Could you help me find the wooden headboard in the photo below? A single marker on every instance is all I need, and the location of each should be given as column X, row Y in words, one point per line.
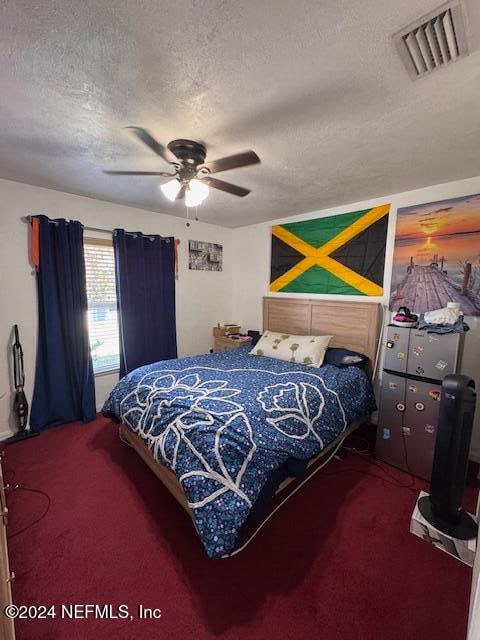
column 354, row 325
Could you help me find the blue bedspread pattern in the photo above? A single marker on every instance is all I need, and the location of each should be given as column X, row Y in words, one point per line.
column 223, row 422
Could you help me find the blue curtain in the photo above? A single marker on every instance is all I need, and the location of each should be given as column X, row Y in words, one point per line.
column 145, row 278
column 64, row 382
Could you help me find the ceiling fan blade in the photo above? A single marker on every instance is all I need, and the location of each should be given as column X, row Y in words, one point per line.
column 138, row 173
column 226, row 186
column 232, row 162
column 156, row 147
column 182, row 192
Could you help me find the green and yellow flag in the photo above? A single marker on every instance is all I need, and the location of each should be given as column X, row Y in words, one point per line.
column 342, row 254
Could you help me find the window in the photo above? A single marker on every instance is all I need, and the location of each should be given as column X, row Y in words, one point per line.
column 102, row 304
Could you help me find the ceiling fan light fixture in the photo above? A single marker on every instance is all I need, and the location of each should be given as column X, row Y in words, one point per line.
column 196, row 193
column 187, row 160
column 170, row 189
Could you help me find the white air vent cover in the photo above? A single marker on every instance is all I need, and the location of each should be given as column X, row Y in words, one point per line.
column 434, row 41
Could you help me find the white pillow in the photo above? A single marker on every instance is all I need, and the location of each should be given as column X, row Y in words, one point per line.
column 308, row 350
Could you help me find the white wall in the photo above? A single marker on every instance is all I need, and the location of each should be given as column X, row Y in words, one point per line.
column 474, row 613
column 251, row 269
column 203, row 297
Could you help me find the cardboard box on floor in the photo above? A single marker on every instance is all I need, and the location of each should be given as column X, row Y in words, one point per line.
column 463, row 550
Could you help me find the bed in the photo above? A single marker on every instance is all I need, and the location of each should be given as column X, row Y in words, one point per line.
column 215, row 428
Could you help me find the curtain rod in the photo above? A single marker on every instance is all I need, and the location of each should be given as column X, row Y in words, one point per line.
column 97, row 229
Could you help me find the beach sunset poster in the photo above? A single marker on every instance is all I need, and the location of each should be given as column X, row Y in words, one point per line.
column 437, row 256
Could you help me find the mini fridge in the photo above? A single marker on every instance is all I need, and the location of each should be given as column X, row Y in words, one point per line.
column 415, row 364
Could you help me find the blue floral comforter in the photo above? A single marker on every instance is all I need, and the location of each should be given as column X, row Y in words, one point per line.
column 223, row 422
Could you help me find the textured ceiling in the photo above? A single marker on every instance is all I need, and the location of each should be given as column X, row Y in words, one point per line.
column 315, row 87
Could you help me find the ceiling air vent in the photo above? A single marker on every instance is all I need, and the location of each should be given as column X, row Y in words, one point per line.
column 434, row 41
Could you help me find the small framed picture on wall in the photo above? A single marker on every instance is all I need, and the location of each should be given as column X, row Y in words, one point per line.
column 205, row 256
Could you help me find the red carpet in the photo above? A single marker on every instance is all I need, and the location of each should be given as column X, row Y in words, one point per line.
column 336, row 563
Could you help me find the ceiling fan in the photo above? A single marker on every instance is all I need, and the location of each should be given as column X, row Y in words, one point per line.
column 191, row 177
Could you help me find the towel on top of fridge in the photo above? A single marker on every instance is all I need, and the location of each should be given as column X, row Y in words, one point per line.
column 449, row 319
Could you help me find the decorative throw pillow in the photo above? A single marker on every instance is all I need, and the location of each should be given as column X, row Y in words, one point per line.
column 309, row 350
column 345, row 358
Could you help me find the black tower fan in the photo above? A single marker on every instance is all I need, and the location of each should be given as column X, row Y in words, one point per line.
column 443, row 507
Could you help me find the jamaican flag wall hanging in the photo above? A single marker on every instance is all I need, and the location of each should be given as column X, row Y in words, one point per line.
column 342, row 254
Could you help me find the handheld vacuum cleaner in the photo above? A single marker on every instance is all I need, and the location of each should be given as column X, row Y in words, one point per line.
column 20, row 404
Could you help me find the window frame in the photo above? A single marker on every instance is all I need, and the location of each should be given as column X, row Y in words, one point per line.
column 105, row 242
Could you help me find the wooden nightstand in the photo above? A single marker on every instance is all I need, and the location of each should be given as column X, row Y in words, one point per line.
column 225, row 343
